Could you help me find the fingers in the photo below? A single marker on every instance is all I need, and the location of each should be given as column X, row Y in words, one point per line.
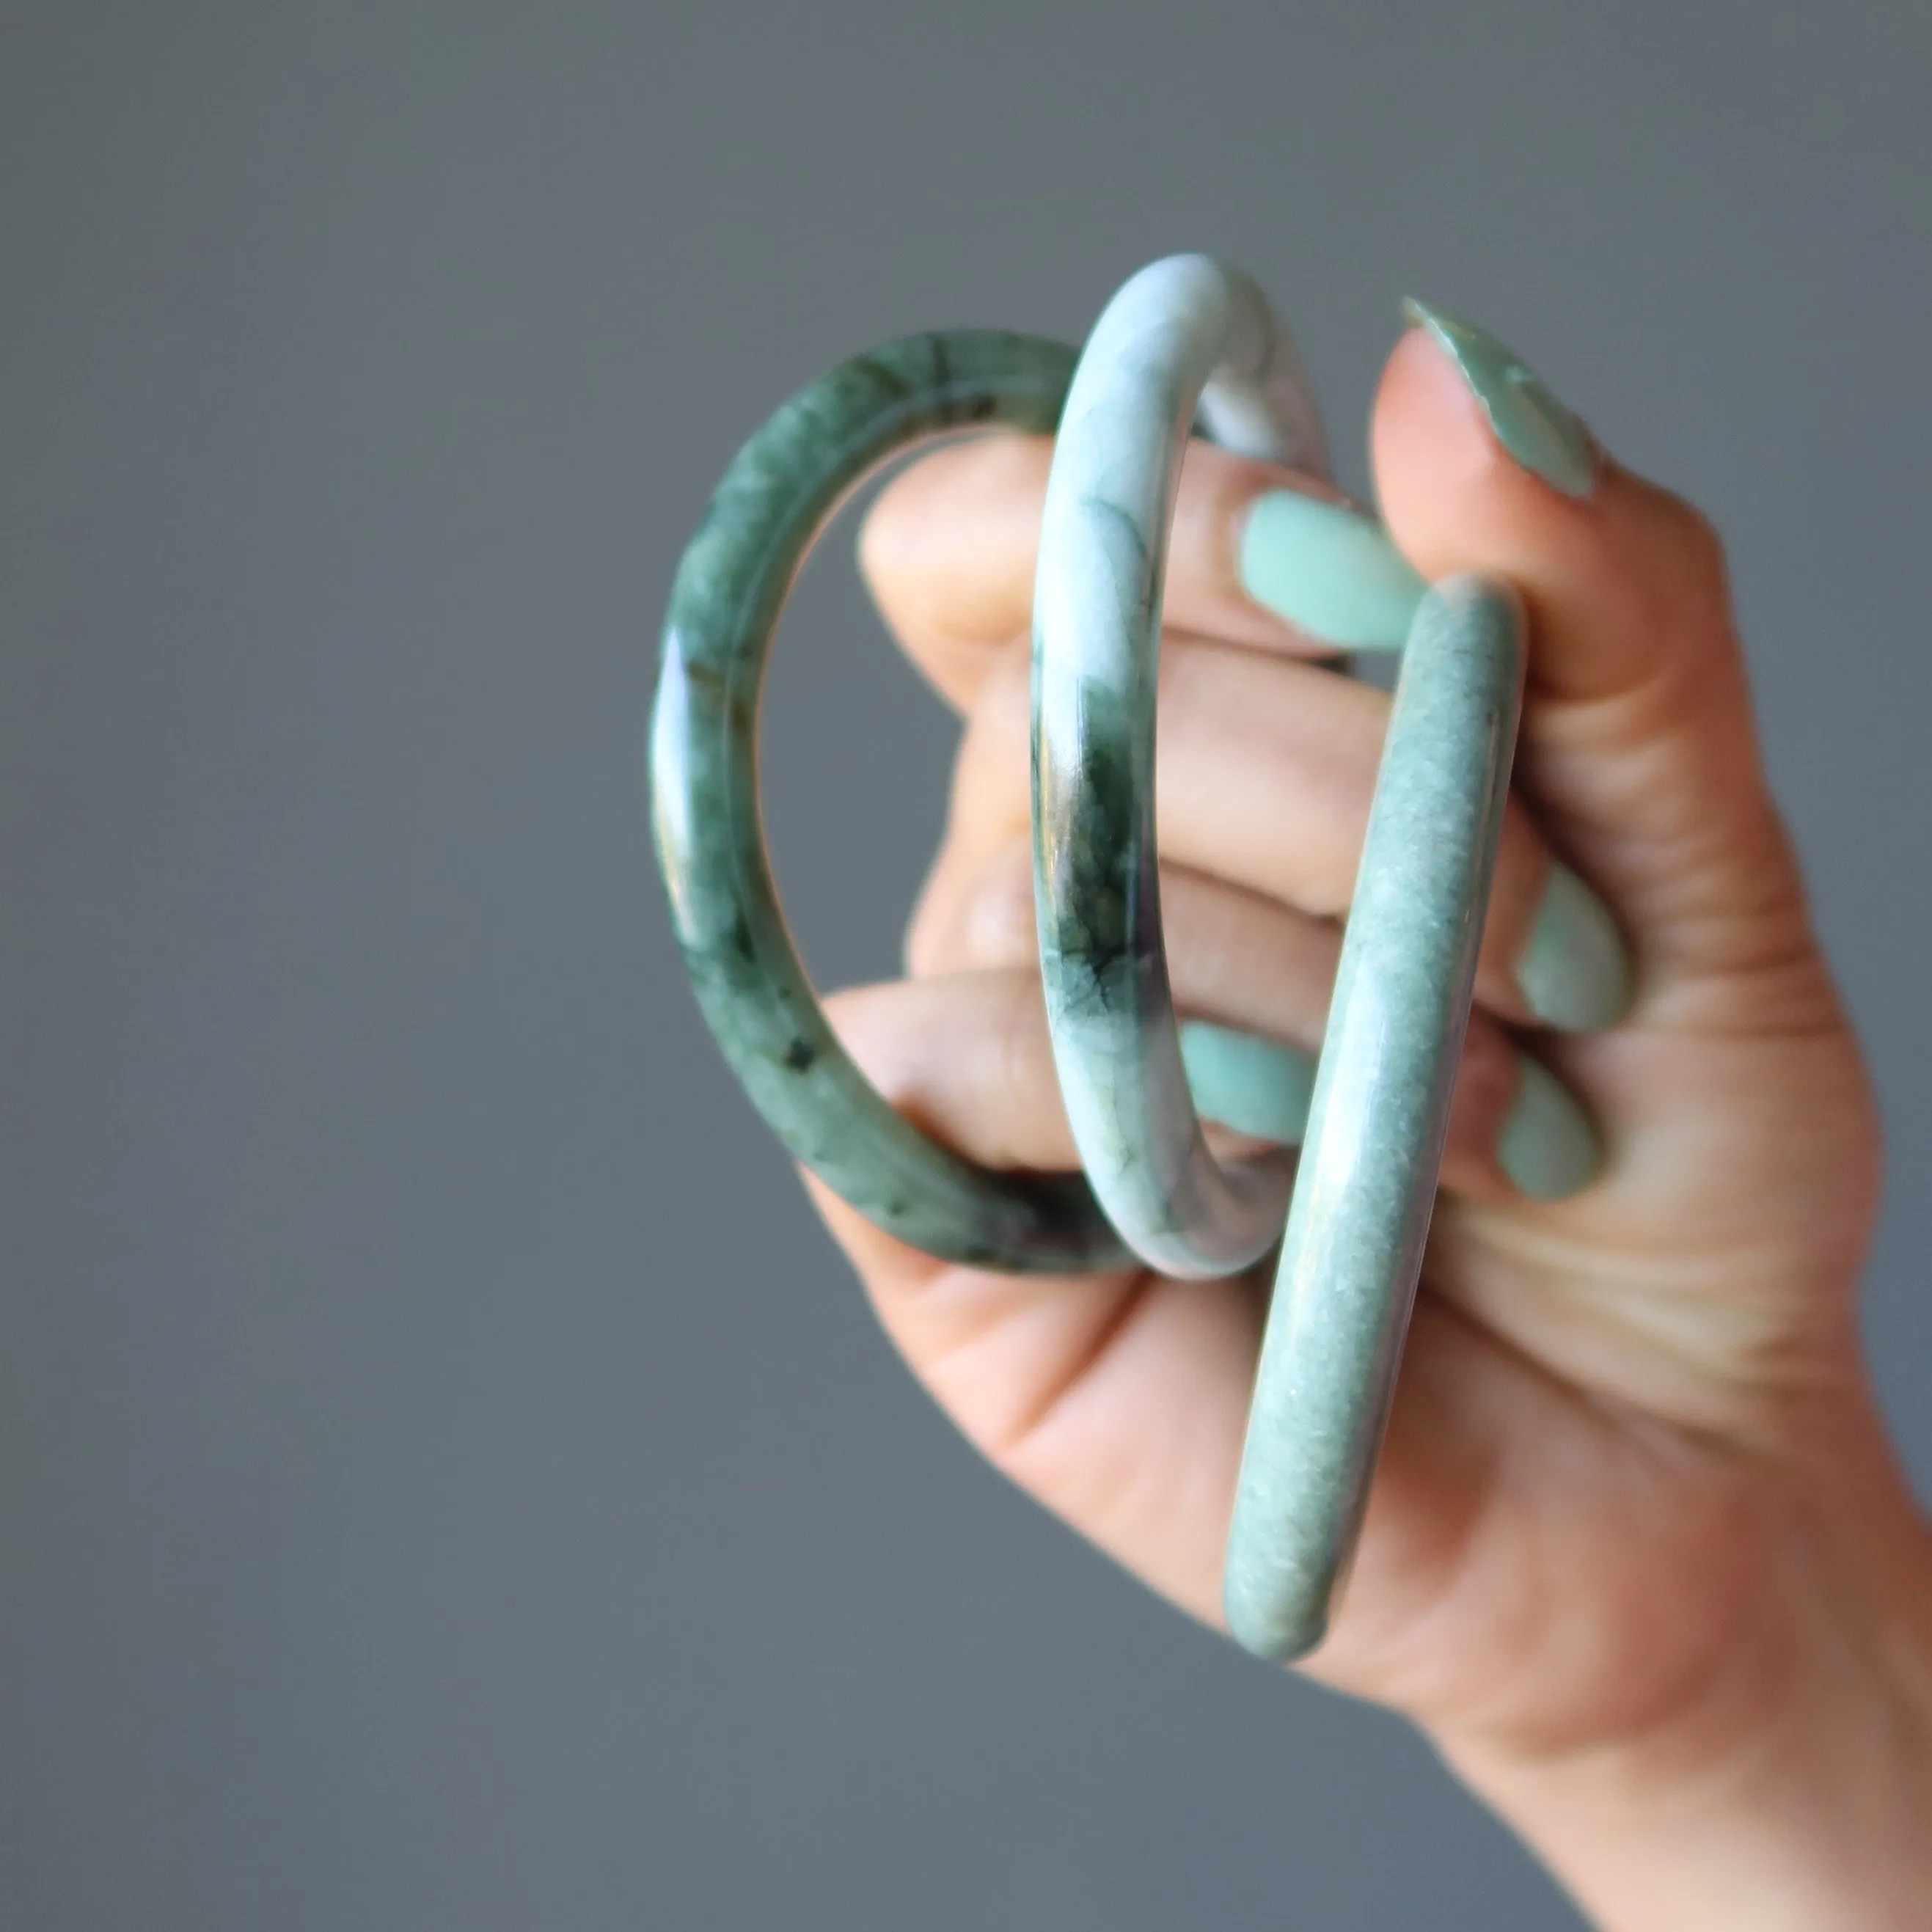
column 949, row 549
column 966, row 1051
column 1242, row 959
column 1253, row 977
column 1638, row 745
column 1119, row 1401
column 1637, row 741
column 1265, row 772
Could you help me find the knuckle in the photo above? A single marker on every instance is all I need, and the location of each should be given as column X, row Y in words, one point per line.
column 926, row 927
column 900, row 549
column 988, row 923
column 1000, row 924
column 1693, row 582
column 915, row 546
column 1486, row 1084
column 884, row 547
column 862, row 1022
column 1702, row 547
column 992, row 761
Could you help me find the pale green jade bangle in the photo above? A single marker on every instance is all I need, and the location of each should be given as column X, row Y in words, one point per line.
column 1352, row 1253
column 1366, row 1184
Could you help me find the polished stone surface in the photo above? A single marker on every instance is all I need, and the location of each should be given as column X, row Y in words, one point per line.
column 779, row 492
column 1352, row 1251
column 1183, row 337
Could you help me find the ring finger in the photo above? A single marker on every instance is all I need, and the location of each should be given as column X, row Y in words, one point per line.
column 1252, row 978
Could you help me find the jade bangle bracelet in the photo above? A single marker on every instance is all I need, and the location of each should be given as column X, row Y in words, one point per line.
column 1185, row 346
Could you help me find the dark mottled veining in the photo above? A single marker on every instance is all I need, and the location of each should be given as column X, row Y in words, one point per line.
column 783, row 486
column 1183, row 331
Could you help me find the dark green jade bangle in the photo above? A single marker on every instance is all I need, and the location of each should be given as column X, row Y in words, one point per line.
column 781, row 490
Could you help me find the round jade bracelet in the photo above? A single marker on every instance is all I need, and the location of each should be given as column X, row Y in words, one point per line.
column 1186, row 343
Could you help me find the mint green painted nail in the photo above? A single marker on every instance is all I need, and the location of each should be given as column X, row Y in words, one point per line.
column 1529, row 422
column 1548, row 1147
column 1331, row 571
column 1256, row 1086
column 1574, row 971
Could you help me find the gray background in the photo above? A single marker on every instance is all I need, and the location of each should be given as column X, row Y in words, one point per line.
column 446, row 1481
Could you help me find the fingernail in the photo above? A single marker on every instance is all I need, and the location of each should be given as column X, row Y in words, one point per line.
column 1529, row 422
column 1331, row 571
column 1574, row 972
column 1257, row 1087
column 1548, row 1147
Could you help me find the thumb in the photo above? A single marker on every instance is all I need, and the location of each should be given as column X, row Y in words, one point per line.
column 1638, row 750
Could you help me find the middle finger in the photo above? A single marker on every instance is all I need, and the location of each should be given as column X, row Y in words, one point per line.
column 1265, row 770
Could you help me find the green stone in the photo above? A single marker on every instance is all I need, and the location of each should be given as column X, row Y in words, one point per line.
column 783, row 487
column 1352, row 1250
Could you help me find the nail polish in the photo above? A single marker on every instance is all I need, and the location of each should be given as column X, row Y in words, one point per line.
column 1574, row 970
column 1539, row 431
column 1257, row 1087
column 1548, row 1147
column 1330, row 571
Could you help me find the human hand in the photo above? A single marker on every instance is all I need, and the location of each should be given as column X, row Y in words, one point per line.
column 1637, row 1557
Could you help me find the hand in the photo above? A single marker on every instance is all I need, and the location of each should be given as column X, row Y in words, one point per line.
column 1638, row 1557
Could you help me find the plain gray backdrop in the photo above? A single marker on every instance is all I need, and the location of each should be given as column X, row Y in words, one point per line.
column 446, row 1479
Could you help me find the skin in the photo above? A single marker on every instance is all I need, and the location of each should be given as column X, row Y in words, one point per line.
column 1638, row 1558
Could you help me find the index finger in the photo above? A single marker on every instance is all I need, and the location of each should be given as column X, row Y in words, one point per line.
column 950, row 548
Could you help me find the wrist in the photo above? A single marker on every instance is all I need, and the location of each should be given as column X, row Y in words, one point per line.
column 1789, row 1791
